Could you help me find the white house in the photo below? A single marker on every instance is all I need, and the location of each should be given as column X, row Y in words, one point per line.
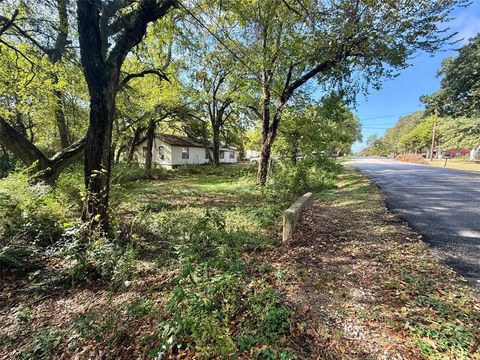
column 227, row 155
column 171, row 150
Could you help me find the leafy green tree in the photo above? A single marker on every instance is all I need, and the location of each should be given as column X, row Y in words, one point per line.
column 419, row 137
column 403, row 126
column 460, row 132
column 376, row 146
column 37, row 86
column 309, row 128
column 459, row 95
column 216, row 86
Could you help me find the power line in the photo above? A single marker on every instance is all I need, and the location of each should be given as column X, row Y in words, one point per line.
column 387, row 116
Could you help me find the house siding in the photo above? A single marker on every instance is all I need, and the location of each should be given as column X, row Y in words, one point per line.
column 226, row 159
column 196, row 156
column 156, row 160
column 173, row 155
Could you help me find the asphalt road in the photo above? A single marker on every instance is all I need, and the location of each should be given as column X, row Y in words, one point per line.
column 443, row 205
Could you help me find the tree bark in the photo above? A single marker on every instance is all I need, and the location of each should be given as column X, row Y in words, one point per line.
column 216, row 146
column 149, row 154
column 119, row 153
column 136, row 140
column 102, row 70
column 97, row 166
column 265, row 152
column 60, row 119
column 294, row 153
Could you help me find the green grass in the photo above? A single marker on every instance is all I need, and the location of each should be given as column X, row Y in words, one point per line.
column 456, row 163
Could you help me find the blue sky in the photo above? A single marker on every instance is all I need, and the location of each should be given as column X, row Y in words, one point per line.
column 381, row 109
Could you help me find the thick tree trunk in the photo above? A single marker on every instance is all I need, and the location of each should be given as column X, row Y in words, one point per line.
column 149, row 154
column 61, row 121
column 216, row 146
column 98, row 156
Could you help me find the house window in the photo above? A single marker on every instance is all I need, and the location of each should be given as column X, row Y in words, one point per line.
column 185, row 154
column 207, row 155
column 232, row 154
column 222, row 154
column 161, row 152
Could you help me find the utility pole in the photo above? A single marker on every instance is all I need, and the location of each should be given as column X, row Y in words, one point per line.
column 433, row 135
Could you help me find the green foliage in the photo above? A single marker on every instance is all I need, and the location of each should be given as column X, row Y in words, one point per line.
column 420, row 137
column 212, row 290
column 308, row 128
column 100, row 257
column 289, row 180
column 45, row 340
column 460, row 90
column 460, row 132
column 31, row 213
column 124, row 173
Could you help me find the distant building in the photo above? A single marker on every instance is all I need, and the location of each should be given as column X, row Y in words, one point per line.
column 249, row 154
column 170, row 151
column 464, row 152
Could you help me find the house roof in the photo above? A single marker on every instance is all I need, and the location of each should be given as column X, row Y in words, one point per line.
column 178, row 140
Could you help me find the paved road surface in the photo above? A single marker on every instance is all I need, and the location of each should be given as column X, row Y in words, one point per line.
column 441, row 204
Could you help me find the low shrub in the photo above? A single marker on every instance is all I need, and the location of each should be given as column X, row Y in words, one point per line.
column 288, row 180
column 213, row 294
column 19, row 258
column 98, row 257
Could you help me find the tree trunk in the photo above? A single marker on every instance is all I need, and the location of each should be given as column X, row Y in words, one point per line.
column 60, row 114
column 294, row 153
column 61, row 121
column 119, row 153
column 216, row 146
column 149, row 154
column 42, row 168
column 98, row 156
column 269, row 134
column 265, row 153
column 135, row 142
